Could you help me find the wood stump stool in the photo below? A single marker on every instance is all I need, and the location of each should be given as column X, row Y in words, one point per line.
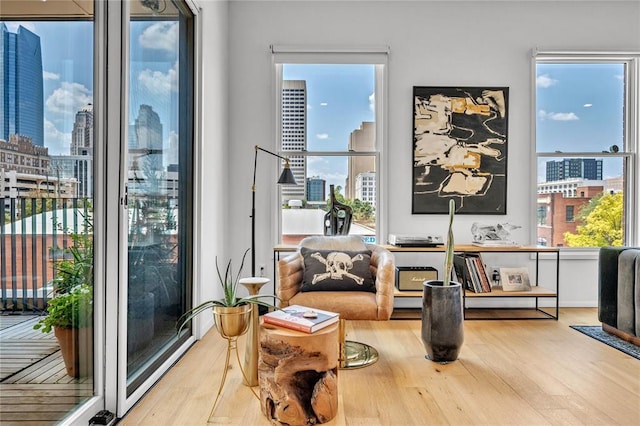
column 298, row 375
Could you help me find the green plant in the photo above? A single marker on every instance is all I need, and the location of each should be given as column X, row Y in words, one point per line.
column 229, row 285
column 448, row 258
column 73, row 309
column 71, row 304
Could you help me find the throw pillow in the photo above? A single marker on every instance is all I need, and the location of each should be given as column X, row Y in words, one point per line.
column 336, row 270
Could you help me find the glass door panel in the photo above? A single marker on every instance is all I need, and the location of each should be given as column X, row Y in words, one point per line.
column 158, row 180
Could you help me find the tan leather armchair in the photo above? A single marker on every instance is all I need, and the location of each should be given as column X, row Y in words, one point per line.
column 351, row 305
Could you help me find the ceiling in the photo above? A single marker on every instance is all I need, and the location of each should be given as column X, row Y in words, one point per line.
column 78, row 9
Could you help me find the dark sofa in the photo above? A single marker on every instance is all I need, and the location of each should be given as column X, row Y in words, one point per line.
column 619, row 291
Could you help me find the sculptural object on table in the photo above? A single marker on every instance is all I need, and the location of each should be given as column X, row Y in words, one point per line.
column 492, row 233
column 337, row 221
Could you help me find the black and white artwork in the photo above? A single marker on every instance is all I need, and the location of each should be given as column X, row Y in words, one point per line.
column 460, row 149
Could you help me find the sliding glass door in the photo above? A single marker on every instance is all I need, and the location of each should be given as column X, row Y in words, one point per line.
column 158, row 183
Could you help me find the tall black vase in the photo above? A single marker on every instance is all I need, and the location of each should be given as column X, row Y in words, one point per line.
column 442, row 320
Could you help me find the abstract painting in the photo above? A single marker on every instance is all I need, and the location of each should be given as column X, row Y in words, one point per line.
column 460, row 149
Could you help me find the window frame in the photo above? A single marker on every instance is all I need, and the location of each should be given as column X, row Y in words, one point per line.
column 628, row 153
column 373, row 55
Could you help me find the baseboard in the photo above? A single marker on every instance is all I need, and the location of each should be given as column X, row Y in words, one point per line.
column 621, row 334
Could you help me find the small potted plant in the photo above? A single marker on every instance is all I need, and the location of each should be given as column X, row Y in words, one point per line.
column 442, row 316
column 70, row 310
column 231, row 314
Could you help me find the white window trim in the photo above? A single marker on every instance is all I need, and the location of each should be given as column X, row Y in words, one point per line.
column 375, row 55
column 631, row 137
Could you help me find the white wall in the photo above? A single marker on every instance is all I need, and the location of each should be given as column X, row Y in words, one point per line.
column 213, row 191
column 452, row 43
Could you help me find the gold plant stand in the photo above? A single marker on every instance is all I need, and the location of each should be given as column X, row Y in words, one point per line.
column 231, row 323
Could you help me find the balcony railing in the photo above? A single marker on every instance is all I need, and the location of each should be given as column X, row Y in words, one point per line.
column 34, row 236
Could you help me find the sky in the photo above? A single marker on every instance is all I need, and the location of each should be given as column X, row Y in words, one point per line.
column 339, row 99
column 67, row 60
column 579, row 107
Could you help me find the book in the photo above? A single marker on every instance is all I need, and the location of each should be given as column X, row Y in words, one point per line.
column 515, row 279
column 293, row 317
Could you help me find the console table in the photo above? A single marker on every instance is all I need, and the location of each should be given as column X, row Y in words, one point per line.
column 537, row 292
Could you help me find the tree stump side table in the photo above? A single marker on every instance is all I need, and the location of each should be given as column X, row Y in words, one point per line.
column 298, row 375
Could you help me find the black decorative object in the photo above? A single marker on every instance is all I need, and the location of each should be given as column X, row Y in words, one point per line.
column 337, row 221
column 460, row 149
column 442, row 321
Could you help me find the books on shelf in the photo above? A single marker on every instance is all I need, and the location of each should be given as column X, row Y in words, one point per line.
column 470, row 272
column 301, row 318
column 515, row 279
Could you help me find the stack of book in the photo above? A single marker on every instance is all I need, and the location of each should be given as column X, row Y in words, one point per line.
column 470, row 272
column 301, row 318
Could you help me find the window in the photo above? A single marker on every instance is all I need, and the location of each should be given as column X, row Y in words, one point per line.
column 569, row 214
column 587, row 144
column 330, row 127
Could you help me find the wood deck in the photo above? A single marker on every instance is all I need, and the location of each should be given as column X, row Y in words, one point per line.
column 34, row 386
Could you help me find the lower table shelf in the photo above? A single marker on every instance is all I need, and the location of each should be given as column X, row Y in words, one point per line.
column 503, row 313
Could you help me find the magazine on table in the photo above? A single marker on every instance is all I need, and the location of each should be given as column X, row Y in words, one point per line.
column 301, row 318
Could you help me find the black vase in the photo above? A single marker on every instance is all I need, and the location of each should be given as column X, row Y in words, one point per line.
column 442, row 320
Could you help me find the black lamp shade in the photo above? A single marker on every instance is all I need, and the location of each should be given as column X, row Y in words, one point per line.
column 286, row 178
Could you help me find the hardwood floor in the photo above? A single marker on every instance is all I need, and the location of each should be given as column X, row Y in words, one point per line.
column 509, row 372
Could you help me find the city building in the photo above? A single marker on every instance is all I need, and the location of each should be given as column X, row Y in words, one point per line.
column 82, row 134
column 568, row 187
column 362, row 139
column 585, row 168
column 14, row 184
column 21, row 155
column 76, row 167
column 294, row 134
column 557, row 211
column 366, row 187
column 316, row 190
column 145, row 140
column 21, row 88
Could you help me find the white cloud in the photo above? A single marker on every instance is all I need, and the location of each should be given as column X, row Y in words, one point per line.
column 322, row 136
column 69, row 98
column 160, row 36
column 58, row 142
column 50, row 75
column 557, row 116
column 372, row 102
column 587, row 105
column 158, row 82
column 545, row 81
column 324, row 103
column 619, row 77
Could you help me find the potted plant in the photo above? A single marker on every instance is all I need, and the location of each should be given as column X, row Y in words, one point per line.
column 70, row 310
column 442, row 316
column 231, row 314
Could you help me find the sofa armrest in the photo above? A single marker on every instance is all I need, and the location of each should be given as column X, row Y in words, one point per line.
column 290, row 270
column 383, row 267
column 608, row 285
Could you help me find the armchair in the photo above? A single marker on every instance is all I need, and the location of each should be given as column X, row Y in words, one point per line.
column 351, row 305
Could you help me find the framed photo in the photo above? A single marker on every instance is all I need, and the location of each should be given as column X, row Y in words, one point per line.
column 515, row 279
column 460, row 149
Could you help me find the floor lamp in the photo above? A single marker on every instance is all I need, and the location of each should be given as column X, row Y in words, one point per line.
column 286, row 178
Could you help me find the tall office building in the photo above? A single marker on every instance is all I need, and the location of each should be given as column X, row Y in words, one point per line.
column 79, row 168
column 294, row 134
column 362, row 139
column 82, row 134
column 584, row 168
column 145, row 139
column 366, row 187
column 316, row 191
column 21, row 85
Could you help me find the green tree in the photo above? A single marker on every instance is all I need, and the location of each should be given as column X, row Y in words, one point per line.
column 601, row 223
